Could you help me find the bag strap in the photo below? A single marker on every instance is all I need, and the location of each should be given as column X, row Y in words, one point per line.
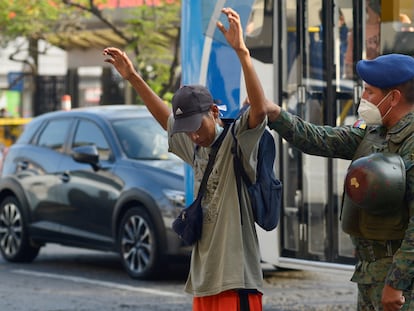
column 239, row 171
column 244, row 301
column 239, row 168
column 244, row 298
column 211, row 159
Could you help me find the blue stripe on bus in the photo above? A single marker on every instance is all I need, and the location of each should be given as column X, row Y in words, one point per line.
column 223, row 70
column 223, row 78
column 192, row 42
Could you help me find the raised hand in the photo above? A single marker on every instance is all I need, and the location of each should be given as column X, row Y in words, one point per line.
column 126, row 69
column 120, row 61
column 234, row 34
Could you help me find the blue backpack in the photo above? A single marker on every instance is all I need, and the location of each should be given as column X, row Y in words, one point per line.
column 266, row 193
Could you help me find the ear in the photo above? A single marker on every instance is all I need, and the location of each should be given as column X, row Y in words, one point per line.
column 215, row 111
column 395, row 97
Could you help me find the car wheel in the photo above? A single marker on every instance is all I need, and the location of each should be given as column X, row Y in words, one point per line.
column 138, row 244
column 14, row 240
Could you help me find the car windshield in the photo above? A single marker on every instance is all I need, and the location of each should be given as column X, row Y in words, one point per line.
column 143, row 139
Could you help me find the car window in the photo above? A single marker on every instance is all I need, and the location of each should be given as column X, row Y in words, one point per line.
column 54, row 134
column 88, row 133
column 142, row 138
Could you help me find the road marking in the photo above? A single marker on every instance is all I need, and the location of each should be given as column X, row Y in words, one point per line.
column 99, row 283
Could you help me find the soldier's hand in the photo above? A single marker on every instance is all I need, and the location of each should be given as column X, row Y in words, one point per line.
column 273, row 111
column 392, row 299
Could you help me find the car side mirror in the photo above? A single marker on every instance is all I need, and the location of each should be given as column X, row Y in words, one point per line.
column 87, row 154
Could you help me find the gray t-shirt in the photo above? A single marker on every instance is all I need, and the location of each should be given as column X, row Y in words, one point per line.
column 227, row 256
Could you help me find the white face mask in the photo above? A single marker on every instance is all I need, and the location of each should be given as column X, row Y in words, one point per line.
column 219, row 130
column 370, row 112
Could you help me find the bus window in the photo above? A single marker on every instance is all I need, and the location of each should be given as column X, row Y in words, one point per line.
column 259, row 31
column 256, row 20
column 397, row 29
column 388, row 28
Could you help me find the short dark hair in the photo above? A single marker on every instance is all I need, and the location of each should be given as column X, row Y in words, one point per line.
column 406, row 89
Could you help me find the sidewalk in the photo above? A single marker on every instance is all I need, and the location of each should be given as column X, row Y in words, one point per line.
column 293, row 290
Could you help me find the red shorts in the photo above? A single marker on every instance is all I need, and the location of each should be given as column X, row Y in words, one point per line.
column 226, row 301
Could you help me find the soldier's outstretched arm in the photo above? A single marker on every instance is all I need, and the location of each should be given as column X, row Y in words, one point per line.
column 124, row 66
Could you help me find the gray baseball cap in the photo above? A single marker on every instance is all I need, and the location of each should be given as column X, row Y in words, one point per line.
column 189, row 104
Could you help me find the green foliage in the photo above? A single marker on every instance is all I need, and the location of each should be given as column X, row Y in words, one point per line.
column 156, row 31
column 152, row 32
column 27, row 18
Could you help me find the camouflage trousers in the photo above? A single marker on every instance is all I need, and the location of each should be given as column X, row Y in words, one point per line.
column 370, row 277
column 369, row 298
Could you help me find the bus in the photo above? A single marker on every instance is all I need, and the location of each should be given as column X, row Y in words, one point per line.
column 305, row 53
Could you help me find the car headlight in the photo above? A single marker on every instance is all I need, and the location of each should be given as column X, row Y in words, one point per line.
column 175, row 197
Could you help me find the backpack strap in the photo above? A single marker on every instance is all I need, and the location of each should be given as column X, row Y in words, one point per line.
column 239, row 171
column 238, row 160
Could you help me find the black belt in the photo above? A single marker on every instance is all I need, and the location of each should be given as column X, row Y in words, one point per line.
column 377, row 250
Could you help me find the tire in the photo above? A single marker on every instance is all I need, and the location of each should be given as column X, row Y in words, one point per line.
column 138, row 245
column 15, row 244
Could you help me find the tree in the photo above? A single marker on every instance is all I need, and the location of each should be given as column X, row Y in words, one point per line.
column 29, row 19
column 150, row 32
column 158, row 58
column 23, row 23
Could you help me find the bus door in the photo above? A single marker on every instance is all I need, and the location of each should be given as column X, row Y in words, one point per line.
column 314, row 86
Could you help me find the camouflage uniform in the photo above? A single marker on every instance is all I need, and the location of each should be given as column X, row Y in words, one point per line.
column 380, row 261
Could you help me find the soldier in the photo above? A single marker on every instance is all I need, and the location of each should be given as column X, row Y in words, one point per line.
column 382, row 229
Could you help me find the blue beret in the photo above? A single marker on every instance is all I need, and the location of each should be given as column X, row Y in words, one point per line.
column 387, row 70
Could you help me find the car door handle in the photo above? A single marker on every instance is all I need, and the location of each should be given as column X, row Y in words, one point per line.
column 22, row 165
column 65, row 177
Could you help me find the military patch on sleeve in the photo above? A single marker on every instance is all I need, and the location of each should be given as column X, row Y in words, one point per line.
column 360, row 124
